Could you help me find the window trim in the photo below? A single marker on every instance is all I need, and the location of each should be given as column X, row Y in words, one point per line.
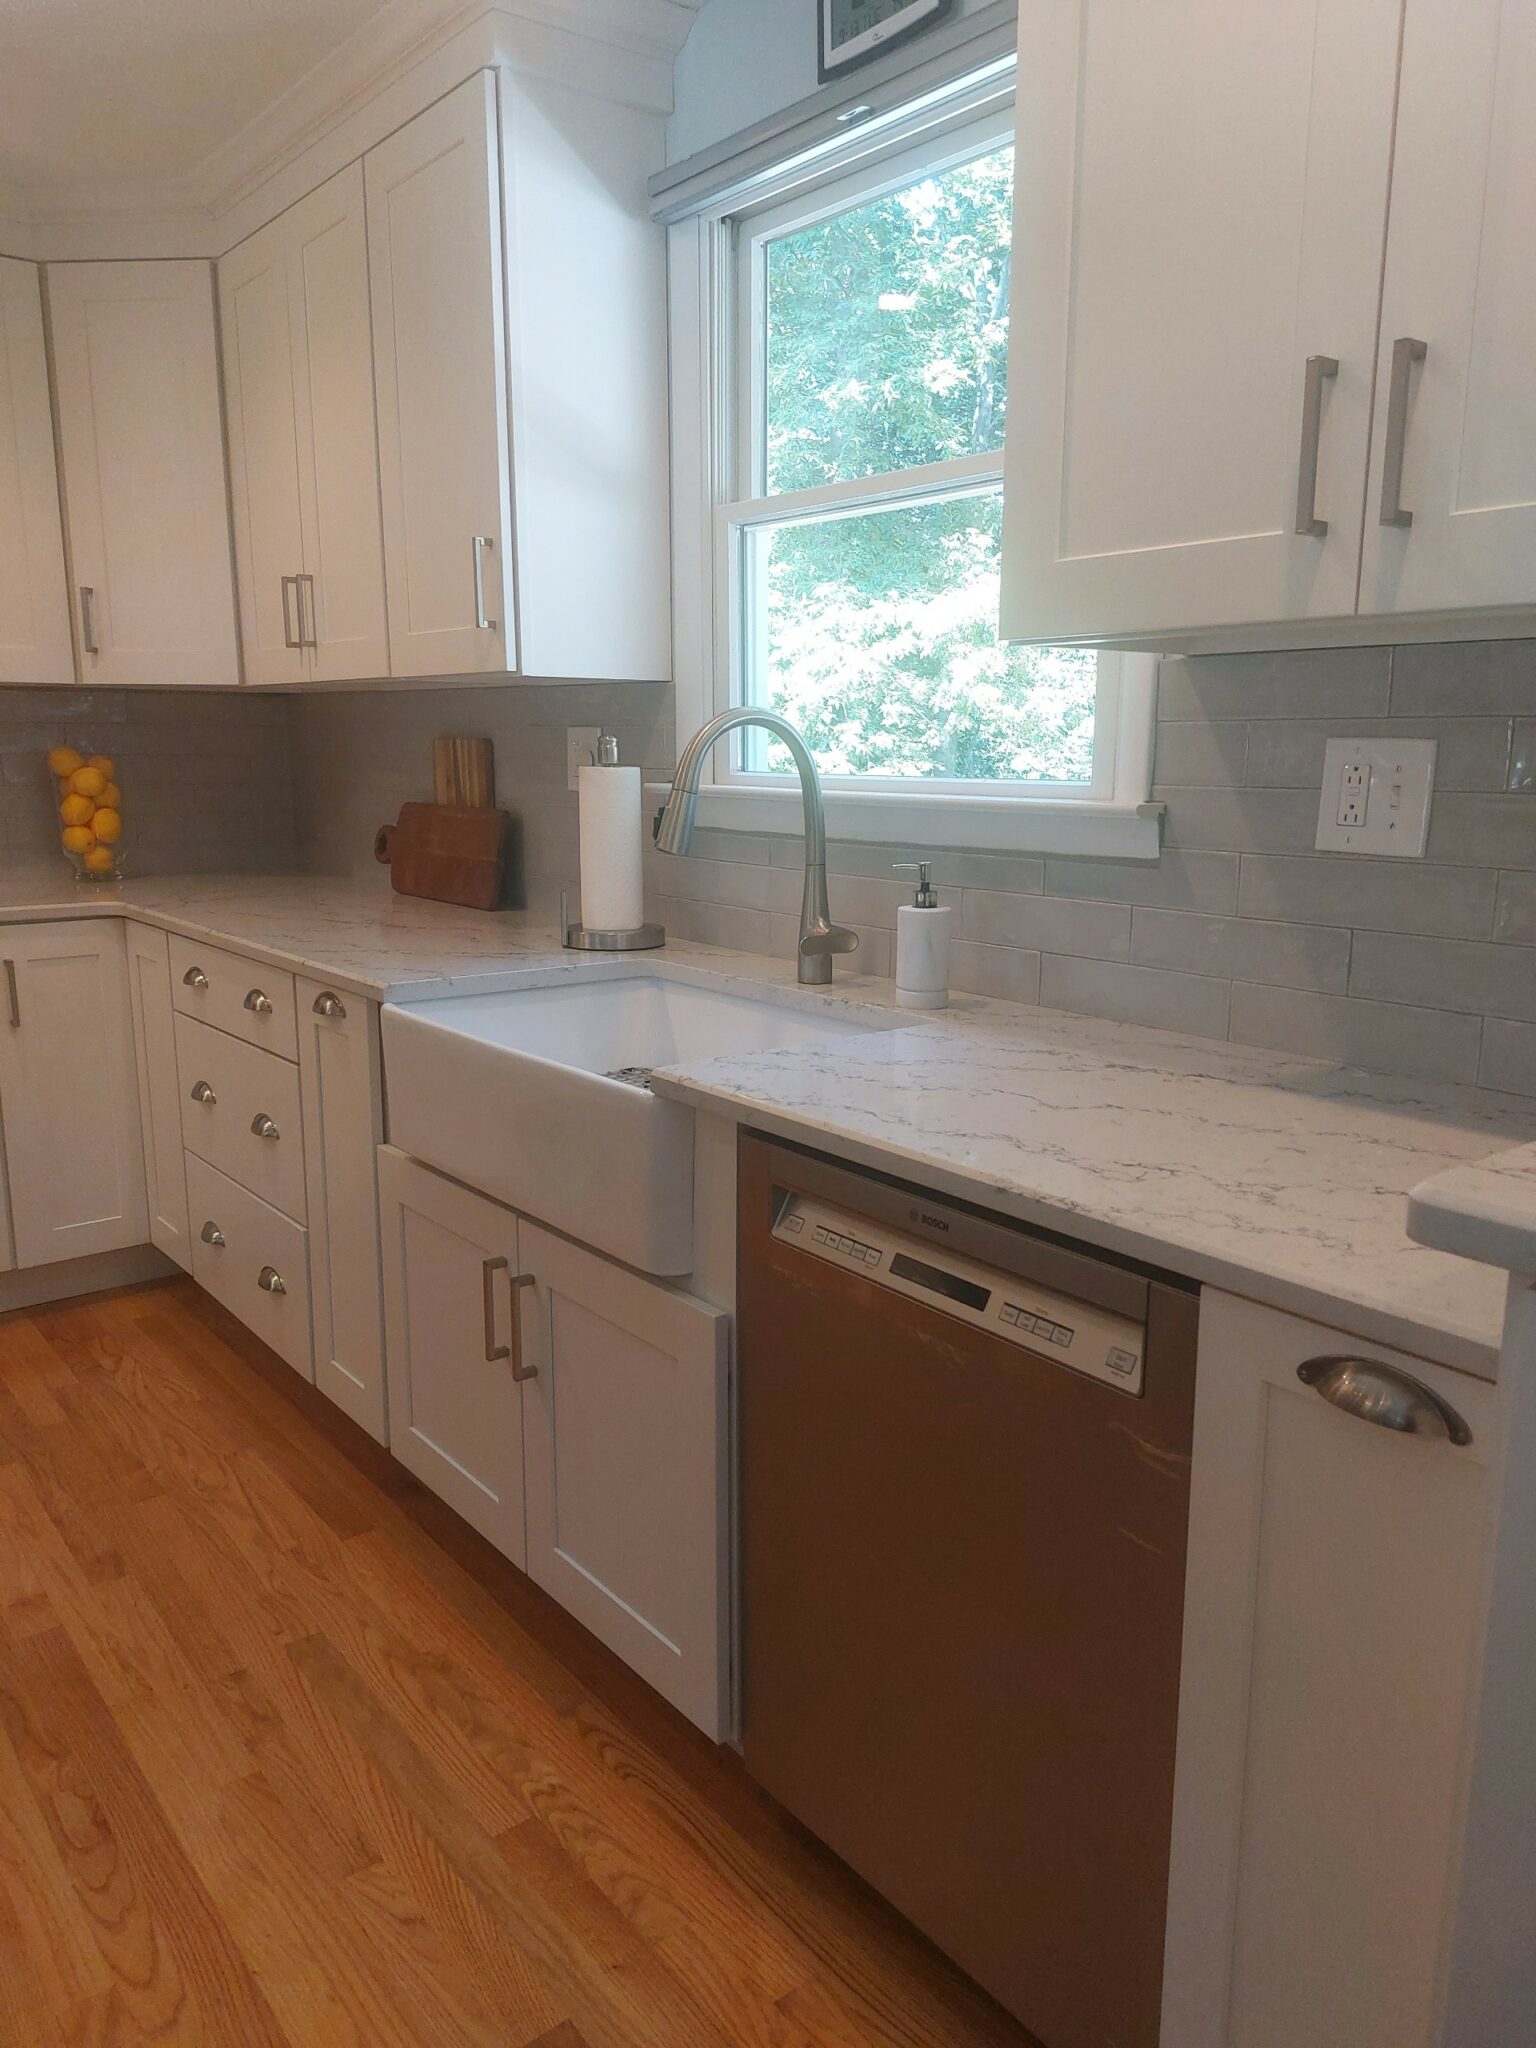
column 712, row 266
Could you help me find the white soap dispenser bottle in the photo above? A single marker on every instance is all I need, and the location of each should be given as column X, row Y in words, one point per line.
column 922, row 946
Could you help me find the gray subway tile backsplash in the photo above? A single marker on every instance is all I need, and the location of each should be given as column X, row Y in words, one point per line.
column 1241, row 928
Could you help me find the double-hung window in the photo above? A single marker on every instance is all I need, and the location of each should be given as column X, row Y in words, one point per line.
column 848, row 335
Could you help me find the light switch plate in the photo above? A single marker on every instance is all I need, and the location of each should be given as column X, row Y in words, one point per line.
column 1376, row 797
column 580, row 749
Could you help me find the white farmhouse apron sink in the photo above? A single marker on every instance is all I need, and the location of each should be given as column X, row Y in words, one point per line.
column 516, row 1094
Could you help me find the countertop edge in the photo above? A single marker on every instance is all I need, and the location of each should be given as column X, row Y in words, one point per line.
column 1485, row 1211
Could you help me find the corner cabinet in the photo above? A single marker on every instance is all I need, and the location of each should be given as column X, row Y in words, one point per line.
column 303, row 444
column 1215, row 437
column 68, row 1092
column 154, row 1044
column 1332, row 1620
column 35, row 643
column 141, row 435
column 571, row 1411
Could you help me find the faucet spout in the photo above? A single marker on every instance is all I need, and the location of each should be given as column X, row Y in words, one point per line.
column 820, row 938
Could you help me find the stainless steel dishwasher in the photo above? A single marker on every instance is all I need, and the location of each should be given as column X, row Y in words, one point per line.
column 965, row 1490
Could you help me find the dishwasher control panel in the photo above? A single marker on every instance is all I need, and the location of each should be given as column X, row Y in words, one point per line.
column 1090, row 1340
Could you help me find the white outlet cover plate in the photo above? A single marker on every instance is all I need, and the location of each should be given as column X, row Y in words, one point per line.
column 1376, row 797
column 580, row 749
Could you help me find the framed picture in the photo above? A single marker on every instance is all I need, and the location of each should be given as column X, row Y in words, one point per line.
column 853, row 31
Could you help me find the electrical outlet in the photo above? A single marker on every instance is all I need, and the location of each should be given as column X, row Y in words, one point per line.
column 1376, row 797
column 580, row 750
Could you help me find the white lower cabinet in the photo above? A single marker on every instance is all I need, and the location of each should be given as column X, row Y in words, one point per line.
column 69, row 1092
column 574, row 1413
column 254, row 1260
column 154, row 1044
column 455, row 1413
column 1331, row 1636
column 624, row 1445
column 342, row 1086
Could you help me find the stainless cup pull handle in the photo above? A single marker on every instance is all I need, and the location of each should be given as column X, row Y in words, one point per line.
column 262, row 1126
column 1385, row 1395
column 329, row 1005
column 270, row 1281
column 13, row 994
column 290, row 638
column 478, row 546
column 259, row 1002
column 88, row 620
column 1405, row 353
column 201, row 1092
column 194, row 978
column 211, row 1233
column 1320, row 369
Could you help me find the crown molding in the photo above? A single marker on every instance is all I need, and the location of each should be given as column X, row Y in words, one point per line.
column 634, row 43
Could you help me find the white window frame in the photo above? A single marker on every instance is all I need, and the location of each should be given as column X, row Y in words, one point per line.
column 716, row 273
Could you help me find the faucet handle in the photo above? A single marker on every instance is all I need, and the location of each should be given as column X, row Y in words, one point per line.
column 830, row 938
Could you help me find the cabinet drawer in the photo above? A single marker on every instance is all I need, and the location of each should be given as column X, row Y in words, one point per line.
column 239, row 996
column 240, row 1112
column 253, row 1260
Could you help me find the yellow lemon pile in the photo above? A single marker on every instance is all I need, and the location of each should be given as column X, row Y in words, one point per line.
column 90, row 809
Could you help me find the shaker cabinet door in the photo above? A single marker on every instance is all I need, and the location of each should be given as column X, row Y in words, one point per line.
column 1451, row 512
column 35, row 645
column 439, row 333
column 146, row 505
column 455, row 1410
column 1199, row 206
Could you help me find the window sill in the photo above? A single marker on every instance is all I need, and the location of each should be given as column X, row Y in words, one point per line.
column 1108, row 831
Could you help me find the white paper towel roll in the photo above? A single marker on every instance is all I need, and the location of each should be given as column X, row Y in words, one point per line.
column 612, row 895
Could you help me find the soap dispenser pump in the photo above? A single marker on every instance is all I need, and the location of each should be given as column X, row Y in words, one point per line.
column 922, row 945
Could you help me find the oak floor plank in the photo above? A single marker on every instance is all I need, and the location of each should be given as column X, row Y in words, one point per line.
column 291, row 1758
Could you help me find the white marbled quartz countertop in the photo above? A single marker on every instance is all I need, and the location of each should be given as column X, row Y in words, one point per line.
column 1282, row 1178
column 1486, row 1211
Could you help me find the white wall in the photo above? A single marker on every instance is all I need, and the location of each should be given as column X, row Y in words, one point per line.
column 744, row 60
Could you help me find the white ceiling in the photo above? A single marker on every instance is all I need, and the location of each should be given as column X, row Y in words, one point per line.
column 140, row 92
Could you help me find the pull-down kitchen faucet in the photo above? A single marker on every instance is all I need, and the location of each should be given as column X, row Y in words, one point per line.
column 820, row 938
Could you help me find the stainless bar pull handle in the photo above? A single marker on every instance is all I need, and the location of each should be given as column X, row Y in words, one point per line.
column 1405, row 353
column 259, row 1002
column 262, row 1126
column 211, row 1234
column 300, row 584
column 1385, row 1395
column 270, row 1281
column 88, row 620
column 478, row 546
column 194, row 978
column 290, row 638
column 201, row 1092
column 329, row 1005
column 489, row 1268
column 13, row 994
column 1320, row 369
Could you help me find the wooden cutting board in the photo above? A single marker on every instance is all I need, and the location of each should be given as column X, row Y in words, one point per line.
column 449, row 853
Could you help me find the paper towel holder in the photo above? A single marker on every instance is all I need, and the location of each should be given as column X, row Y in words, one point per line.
column 577, row 938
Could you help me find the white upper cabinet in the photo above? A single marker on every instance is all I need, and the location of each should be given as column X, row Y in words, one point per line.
column 303, row 447
column 439, row 329
column 35, row 642
column 1199, row 207
column 146, row 507
column 1461, row 281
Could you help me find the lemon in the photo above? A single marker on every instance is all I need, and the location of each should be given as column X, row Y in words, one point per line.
column 111, row 798
column 88, row 782
column 100, row 860
column 76, row 810
column 64, row 761
column 63, row 787
column 108, row 827
column 78, row 838
column 104, row 762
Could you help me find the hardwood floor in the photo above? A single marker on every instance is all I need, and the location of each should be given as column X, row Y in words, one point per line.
column 289, row 1758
